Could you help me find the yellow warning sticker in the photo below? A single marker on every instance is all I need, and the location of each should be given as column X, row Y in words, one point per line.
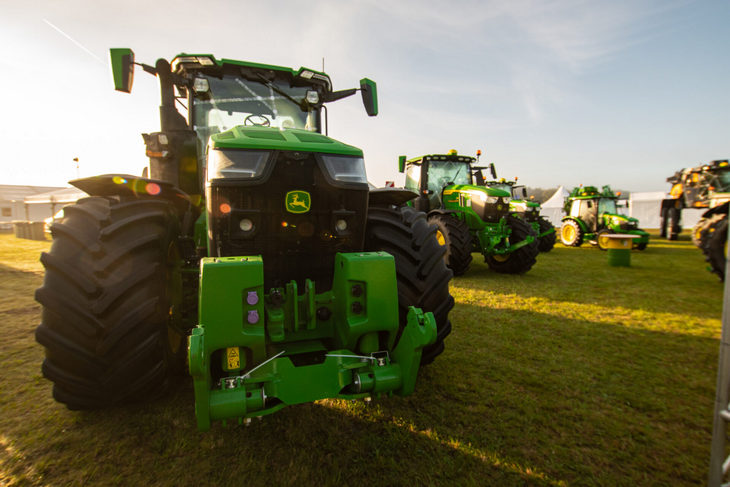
column 233, row 358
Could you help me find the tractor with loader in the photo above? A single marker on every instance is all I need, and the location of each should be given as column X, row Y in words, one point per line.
column 592, row 215
column 252, row 253
column 470, row 218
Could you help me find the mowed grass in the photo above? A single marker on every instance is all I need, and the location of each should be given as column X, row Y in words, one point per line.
column 575, row 373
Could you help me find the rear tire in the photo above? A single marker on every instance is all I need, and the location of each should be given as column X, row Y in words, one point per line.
column 716, row 248
column 423, row 278
column 106, row 302
column 546, row 242
column 571, row 234
column 522, row 259
column 454, row 236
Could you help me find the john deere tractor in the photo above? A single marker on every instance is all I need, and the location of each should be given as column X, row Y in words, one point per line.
column 254, row 252
column 592, row 216
column 523, row 207
column 469, row 218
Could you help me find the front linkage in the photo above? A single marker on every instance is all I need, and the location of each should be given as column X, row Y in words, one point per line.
column 337, row 344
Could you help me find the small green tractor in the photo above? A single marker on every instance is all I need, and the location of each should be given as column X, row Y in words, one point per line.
column 592, row 215
column 470, row 218
column 251, row 252
column 526, row 209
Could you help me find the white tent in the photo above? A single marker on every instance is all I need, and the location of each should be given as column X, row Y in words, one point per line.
column 43, row 205
column 647, row 207
column 552, row 209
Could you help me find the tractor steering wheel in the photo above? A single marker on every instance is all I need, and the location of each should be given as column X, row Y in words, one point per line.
column 258, row 120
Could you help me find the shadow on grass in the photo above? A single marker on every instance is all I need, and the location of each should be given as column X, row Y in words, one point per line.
column 517, row 398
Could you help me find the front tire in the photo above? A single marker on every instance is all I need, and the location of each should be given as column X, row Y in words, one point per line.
column 453, row 234
column 106, row 302
column 602, row 239
column 546, row 242
column 571, row 234
column 423, row 278
column 716, row 249
column 522, row 259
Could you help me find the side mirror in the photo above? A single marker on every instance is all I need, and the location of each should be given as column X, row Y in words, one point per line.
column 401, row 163
column 369, row 92
column 493, row 171
column 122, row 60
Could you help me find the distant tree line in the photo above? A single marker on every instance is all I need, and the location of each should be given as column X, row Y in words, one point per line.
column 541, row 194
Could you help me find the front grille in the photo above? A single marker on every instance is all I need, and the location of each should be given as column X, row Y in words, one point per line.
column 294, row 246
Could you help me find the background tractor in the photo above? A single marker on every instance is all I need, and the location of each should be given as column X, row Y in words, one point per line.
column 469, row 218
column 705, row 186
column 252, row 249
column 592, row 215
column 525, row 208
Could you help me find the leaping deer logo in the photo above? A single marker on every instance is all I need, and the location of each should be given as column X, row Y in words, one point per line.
column 298, row 201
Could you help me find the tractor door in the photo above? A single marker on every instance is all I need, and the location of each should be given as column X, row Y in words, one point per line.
column 414, row 182
column 588, row 212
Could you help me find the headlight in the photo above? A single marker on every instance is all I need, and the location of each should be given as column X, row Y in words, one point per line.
column 239, row 164
column 345, row 169
column 492, row 199
column 505, row 199
column 312, row 97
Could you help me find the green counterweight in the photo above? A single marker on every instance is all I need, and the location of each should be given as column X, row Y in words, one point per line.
column 255, row 352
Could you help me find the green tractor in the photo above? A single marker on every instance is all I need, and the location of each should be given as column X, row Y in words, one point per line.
column 469, row 218
column 525, row 208
column 592, row 215
column 254, row 252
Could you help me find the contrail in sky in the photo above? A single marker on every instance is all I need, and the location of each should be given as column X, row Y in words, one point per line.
column 74, row 41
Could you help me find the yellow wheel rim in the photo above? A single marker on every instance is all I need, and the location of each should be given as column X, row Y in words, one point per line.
column 603, row 241
column 501, row 257
column 568, row 233
column 440, row 237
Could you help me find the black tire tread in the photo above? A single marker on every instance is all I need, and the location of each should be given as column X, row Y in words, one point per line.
column 458, row 242
column 546, row 242
column 522, row 259
column 714, row 249
column 423, row 278
column 104, row 308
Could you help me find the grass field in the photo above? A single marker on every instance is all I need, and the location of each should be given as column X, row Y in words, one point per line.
column 573, row 374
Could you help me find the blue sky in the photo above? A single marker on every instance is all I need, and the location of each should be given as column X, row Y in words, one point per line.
column 555, row 92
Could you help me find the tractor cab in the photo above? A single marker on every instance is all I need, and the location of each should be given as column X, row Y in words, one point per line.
column 445, row 181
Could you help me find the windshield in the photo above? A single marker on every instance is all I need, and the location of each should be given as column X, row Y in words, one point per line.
column 235, row 101
column 607, row 205
column 444, row 173
column 722, row 182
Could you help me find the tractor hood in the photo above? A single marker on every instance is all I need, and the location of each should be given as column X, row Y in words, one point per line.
column 476, row 191
column 616, row 219
column 523, row 205
column 270, row 138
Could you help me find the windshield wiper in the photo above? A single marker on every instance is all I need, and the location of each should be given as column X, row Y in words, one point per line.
column 300, row 103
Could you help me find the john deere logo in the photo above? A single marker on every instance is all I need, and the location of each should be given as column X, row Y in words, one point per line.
column 298, row 202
